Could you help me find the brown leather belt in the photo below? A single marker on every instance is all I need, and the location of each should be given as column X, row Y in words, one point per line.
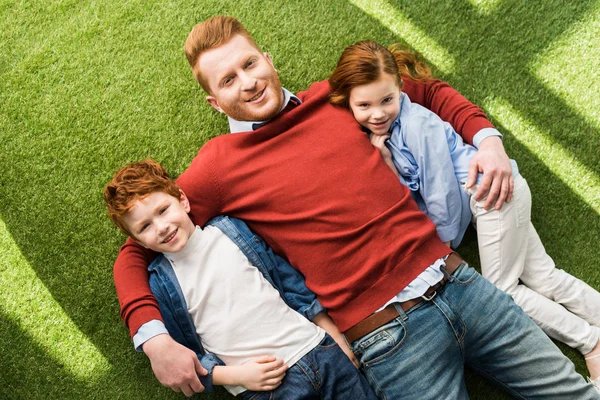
column 390, row 312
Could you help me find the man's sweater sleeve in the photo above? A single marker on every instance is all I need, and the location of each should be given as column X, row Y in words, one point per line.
column 130, row 273
column 441, row 98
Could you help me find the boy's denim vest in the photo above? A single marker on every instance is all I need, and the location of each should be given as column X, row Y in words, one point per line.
column 173, row 308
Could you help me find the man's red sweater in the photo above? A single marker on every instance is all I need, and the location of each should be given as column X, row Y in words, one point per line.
column 310, row 183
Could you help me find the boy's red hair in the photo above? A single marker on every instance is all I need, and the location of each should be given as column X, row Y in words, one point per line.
column 133, row 182
column 210, row 34
column 365, row 61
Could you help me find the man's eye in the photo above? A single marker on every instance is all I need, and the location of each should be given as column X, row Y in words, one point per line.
column 227, row 81
column 250, row 63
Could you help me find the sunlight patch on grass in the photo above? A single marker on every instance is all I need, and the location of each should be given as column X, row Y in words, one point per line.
column 400, row 25
column 485, row 7
column 570, row 67
column 584, row 182
column 27, row 302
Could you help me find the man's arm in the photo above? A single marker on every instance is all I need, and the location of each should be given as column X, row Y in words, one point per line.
column 469, row 120
column 130, row 273
column 174, row 365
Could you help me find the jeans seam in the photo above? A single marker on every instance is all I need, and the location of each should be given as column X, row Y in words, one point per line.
column 314, row 384
column 504, row 386
column 375, row 385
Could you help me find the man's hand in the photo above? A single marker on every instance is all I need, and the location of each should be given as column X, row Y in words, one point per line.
column 497, row 182
column 174, row 365
column 262, row 373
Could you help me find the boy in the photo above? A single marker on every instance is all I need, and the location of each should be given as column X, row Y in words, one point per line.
column 215, row 301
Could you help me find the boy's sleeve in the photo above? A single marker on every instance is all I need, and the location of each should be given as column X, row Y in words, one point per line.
column 295, row 292
column 441, row 98
column 178, row 333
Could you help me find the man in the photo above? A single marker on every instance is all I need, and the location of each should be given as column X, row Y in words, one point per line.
column 305, row 178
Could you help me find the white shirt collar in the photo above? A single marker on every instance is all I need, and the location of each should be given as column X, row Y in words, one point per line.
column 236, row 126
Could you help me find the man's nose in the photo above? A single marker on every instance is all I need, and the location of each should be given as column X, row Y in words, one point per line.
column 248, row 82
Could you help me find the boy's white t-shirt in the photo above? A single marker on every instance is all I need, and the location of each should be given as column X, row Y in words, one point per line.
column 237, row 313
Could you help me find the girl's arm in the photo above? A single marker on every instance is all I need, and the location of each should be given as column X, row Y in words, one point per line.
column 326, row 323
column 379, row 142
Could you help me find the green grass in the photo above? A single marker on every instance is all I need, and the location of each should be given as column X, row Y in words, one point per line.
column 86, row 86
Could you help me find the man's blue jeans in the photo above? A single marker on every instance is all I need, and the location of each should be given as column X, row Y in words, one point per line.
column 421, row 354
column 323, row 373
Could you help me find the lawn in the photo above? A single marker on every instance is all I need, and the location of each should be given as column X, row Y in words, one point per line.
column 86, row 86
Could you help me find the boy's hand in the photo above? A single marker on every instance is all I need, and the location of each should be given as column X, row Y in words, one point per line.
column 174, row 365
column 262, row 374
column 497, row 182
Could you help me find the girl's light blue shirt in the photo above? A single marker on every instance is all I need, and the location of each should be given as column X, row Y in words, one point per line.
column 433, row 161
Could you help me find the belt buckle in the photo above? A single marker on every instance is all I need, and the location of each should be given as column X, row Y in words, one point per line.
column 429, row 298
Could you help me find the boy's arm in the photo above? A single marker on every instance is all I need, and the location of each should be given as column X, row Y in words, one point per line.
column 326, row 323
column 469, row 121
column 260, row 374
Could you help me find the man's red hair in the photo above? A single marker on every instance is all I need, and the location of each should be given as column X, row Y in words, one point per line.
column 210, row 34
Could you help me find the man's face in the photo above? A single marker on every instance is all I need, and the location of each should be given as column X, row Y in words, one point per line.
column 160, row 222
column 243, row 83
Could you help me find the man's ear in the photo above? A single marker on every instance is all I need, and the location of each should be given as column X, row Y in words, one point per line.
column 183, row 200
column 215, row 104
column 269, row 60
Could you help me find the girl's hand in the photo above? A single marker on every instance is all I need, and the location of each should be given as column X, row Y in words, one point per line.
column 379, row 142
column 262, row 373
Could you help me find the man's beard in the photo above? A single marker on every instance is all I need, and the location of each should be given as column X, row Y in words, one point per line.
column 248, row 113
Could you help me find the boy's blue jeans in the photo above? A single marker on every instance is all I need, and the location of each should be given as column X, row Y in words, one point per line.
column 421, row 354
column 323, row 373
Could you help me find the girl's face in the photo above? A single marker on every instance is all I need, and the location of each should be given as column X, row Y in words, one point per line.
column 377, row 104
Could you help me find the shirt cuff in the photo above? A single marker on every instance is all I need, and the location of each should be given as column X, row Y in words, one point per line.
column 147, row 331
column 484, row 134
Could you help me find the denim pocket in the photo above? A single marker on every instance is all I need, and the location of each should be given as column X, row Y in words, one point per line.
column 465, row 275
column 381, row 343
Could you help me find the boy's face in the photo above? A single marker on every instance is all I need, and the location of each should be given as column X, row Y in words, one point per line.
column 242, row 81
column 160, row 222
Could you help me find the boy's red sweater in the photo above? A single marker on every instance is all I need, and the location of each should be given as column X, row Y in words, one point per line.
column 311, row 184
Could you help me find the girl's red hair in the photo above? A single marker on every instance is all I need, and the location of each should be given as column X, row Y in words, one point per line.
column 365, row 61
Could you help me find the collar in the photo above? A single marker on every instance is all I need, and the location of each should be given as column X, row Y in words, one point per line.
column 192, row 247
column 236, row 126
column 404, row 103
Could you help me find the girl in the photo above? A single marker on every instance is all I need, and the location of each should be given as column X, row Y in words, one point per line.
column 431, row 159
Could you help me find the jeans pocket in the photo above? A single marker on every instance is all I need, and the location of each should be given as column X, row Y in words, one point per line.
column 465, row 275
column 381, row 343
